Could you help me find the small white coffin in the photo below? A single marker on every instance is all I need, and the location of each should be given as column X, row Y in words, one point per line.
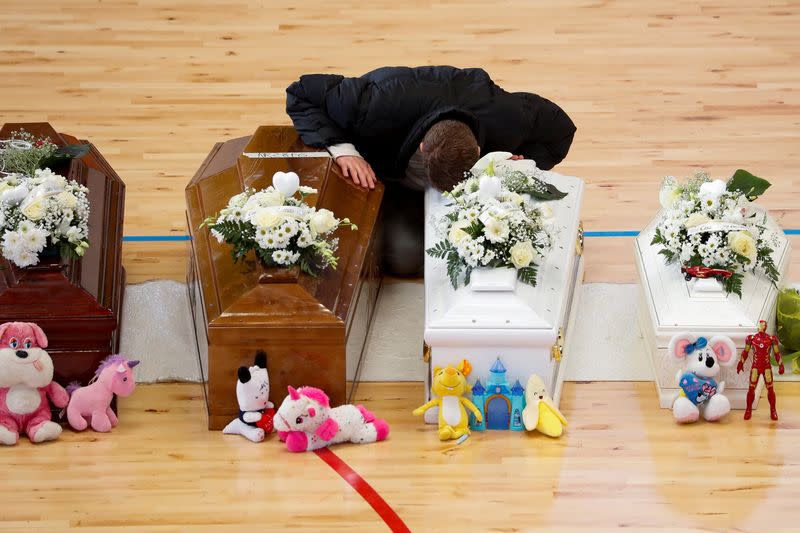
column 670, row 304
column 497, row 316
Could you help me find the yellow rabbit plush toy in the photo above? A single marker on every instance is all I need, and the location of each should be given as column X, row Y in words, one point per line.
column 449, row 385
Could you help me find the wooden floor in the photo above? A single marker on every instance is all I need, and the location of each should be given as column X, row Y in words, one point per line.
column 622, row 463
column 655, row 88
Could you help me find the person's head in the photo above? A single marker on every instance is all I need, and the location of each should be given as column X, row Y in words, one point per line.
column 450, row 149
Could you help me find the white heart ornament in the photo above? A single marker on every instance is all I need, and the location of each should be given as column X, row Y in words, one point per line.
column 286, row 183
column 489, row 187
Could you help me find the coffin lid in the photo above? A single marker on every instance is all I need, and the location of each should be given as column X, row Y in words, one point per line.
column 673, row 308
column 527, row 308
column 232, row 294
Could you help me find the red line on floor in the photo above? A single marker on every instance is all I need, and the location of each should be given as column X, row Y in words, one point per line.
column 366, row 491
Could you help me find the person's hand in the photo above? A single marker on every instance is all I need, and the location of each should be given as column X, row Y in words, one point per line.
column 781, row 369
column 740, row 367
column 358, row 170
column 516, row 157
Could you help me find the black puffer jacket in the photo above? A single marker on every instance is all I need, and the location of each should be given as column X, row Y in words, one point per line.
column 385, row 114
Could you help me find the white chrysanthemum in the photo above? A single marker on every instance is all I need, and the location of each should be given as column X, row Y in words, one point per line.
column 12, row 240
column 26, row 226
column 304, row 240
column 280, row 256
column 268, row 241
column 36, row 239
column 23, row 258
column 290, row 227
column 471, row 214
column 496, row 230
column 307, row 190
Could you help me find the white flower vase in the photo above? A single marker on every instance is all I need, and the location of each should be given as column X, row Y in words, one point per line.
column 706, row 287
column 493, row 279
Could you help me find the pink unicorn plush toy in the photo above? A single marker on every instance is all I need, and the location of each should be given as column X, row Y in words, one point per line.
column 93, row 402
column 306, row 422
column 26, row 382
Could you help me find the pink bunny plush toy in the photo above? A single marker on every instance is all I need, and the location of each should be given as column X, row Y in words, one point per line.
column 26, row 383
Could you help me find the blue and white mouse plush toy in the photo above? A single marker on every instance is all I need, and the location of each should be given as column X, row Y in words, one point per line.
column 256, row 412
column 700, row 394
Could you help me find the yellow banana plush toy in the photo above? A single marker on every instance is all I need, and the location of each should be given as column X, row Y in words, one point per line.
column 540, row 412
column 449, row 384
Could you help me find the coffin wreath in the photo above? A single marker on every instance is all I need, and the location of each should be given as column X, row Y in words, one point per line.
column 38, row 208
column 493, row 220
column 715, row 225
column 282, row 229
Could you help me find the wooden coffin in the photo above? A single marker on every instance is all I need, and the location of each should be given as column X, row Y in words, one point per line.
column 669, row 304
column 527, row 328
column 308, row 326
column 77, row 303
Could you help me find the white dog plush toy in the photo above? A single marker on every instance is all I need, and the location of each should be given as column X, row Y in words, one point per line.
column 699, row 392
column 255, row 410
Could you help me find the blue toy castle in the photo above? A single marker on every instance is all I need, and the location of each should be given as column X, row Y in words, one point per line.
column 500, row 404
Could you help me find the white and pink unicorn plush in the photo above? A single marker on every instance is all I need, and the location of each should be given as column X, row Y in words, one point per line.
column 92, row 403
column 306, row 421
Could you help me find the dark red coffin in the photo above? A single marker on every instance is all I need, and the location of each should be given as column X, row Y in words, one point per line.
column 77, row 303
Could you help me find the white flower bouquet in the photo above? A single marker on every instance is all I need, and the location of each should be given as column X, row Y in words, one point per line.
column 714, row 224
column 40, row 211
column 488, row 223
column 282, row 229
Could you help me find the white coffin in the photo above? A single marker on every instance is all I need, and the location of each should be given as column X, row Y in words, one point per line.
column 485, row 320
column 669, row 305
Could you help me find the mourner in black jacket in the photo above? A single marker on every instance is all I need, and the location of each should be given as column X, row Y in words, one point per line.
column 414, row 127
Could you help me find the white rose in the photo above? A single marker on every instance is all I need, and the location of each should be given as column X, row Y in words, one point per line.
column 268, row 198
column 457, row 233
column 50, row 178
column 34, row 209
column 238, row 200
column 323, row 221
column 696, row 219
column 743, row 243
column 522, row 254
column 67, row 199
column 266, row 218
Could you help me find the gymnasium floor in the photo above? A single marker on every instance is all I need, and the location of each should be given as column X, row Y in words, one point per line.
column 654, row 89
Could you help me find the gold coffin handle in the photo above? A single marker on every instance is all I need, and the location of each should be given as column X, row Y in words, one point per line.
column 558, row 348
column 579, row 241
column 426, row 352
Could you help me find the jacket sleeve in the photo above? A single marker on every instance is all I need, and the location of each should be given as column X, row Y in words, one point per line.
column 547, row 154
column 322, row 106
column 549, row 141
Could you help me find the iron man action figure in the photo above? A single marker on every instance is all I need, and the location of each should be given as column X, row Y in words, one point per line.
column 762, row 344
